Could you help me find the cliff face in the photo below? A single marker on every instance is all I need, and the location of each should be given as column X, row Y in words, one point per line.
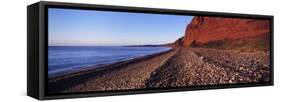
column 203, row 30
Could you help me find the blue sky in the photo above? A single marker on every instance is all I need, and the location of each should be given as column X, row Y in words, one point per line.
column 70, row 27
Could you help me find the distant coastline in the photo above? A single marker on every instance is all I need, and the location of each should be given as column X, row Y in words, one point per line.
column 145, row 45
column 162, row 45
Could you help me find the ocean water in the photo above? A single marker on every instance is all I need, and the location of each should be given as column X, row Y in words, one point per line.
column 66, row 59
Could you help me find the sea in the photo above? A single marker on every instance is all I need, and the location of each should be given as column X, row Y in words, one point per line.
column 67, row 59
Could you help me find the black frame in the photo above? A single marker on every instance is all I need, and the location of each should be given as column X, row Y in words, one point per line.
column 38, row 48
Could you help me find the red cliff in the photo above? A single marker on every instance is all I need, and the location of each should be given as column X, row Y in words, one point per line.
column 203, row 30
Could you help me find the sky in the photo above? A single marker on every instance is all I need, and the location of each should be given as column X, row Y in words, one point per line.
column 74, row 27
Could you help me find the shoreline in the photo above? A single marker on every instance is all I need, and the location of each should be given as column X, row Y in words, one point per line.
column 93, row 69
column 99, row 66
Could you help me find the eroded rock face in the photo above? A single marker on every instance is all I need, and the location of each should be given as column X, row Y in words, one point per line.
column 205, row 29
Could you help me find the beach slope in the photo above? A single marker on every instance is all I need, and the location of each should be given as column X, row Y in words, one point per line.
column 181, row 67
